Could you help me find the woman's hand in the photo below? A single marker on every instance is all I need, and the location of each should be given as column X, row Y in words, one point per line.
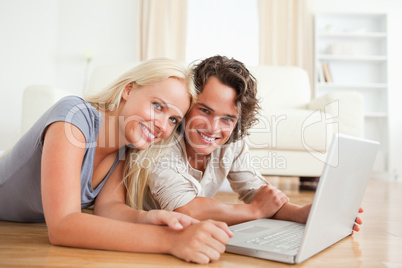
column 174, row 220
column 202, row 242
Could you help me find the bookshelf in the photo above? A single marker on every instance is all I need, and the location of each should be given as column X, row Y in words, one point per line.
column 353, row 48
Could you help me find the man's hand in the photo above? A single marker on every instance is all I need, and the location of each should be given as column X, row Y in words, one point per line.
column 174, row 220
column 267, row 201
column 358, row 222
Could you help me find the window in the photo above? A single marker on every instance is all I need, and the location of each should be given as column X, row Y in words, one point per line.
column 224, row 27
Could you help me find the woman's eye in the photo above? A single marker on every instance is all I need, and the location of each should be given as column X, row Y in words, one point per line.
column 174, row 120
column 157, row 105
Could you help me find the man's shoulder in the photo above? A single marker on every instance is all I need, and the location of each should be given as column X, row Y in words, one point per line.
column 233, row 147
column 175, row 154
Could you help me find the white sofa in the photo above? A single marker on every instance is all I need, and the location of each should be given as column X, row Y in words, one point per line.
column 294, row 131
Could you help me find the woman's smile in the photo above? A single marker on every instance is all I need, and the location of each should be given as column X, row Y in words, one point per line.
column 147, row 132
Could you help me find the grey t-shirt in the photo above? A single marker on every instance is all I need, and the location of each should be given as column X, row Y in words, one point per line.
column 20, row 169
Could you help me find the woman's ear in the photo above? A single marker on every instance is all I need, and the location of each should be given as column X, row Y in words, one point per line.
column 126, row 91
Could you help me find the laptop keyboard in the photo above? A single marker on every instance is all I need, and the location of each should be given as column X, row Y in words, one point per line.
column 287, row 238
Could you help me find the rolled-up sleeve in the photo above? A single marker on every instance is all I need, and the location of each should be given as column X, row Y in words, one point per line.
column 170, row 184
column 243, row 177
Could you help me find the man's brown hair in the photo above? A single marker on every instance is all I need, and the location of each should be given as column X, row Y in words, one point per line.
column 234, row 74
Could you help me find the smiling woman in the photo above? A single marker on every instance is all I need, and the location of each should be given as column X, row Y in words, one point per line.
column 152, row 111
column 84, row 152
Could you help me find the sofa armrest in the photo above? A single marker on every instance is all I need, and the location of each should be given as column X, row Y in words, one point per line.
column 36, row 100
column 346, row 107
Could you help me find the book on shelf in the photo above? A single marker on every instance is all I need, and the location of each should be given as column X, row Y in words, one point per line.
column 327, row 74
column 320, row 73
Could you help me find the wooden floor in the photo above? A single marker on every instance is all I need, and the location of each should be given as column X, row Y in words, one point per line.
column 378, row 244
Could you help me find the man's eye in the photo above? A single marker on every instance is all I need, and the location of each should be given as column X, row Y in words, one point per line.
column 157, row 105
column 227, row 119
column 206, row 111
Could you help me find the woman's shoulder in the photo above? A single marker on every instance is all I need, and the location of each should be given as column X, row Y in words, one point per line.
column 77, row 111
column 72, row 101
column 73, row 106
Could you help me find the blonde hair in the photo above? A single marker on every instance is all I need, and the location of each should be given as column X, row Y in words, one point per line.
column 138, row 162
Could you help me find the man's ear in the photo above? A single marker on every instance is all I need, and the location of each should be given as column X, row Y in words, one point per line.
column 126, row 91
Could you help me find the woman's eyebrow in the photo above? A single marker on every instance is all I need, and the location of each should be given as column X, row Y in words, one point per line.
column 163, row 102
column 178, row 117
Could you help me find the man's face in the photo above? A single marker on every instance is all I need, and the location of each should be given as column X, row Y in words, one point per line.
column 211, row 121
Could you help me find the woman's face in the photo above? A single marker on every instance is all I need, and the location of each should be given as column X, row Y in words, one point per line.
column 211, row 121
column 150, row 113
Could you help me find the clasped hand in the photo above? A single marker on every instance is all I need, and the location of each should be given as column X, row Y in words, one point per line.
column 199, row 242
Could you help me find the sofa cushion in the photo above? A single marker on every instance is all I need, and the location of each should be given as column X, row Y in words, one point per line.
column 282, row 86
column 293, row 129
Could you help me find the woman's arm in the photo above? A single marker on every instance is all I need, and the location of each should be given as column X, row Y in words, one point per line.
column 67, row 226
column 110, row 203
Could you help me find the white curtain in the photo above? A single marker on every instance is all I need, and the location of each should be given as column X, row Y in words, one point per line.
column 286, row 33
column 163, row 29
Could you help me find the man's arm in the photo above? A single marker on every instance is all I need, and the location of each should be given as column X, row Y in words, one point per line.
column 292, row 212
column 266, row 203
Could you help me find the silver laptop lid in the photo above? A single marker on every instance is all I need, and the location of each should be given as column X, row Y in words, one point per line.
column 339, row 193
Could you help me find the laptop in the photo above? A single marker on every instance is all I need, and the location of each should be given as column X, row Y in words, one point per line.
column 333, row 212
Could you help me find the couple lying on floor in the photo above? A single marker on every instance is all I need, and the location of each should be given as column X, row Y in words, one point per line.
column 149, row 152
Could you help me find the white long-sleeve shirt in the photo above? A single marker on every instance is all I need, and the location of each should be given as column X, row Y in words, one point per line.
column 174, row 183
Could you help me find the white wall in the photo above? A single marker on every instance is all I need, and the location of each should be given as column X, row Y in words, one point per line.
column 27, row 51
column 394, row 10
column 108, row 28
column 42, row 42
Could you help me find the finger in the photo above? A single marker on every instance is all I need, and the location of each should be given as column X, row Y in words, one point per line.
column 356, row 228
column 359, row 220
column 361, row 210
column 284, row 198
column 213, row 249
column 221, row 232
column 212, row 254
column 172, row 221
column 223, row 226
column 200, row 258
column 216, row 245
column 186, row 221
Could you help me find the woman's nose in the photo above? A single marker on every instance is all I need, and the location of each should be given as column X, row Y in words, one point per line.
column 161, row 123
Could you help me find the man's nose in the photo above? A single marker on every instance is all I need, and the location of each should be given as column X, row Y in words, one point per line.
column 215, row 124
